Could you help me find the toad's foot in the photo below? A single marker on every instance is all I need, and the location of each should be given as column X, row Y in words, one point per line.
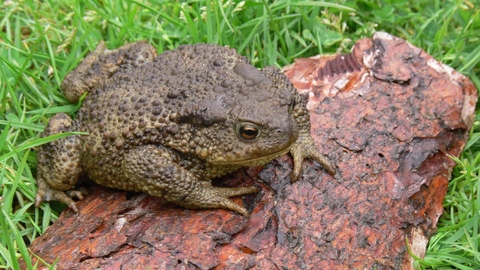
column 46, row 193
column 304, row 148
column 217, row 197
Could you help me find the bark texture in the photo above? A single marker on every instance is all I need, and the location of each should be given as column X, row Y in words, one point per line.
column 387, row 115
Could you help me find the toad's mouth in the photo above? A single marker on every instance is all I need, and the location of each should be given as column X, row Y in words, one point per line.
column 230, row 159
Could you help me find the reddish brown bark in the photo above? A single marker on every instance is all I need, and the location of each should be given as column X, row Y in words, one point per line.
column 387, row 116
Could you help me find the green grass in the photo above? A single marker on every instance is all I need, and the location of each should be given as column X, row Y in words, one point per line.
column 41, row 41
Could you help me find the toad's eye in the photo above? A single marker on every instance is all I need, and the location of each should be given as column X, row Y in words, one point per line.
column 248, row 132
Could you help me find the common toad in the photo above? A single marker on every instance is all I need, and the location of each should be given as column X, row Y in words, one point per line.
column 168, row 124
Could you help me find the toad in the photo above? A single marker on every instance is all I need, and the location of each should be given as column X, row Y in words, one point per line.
column 168, row 124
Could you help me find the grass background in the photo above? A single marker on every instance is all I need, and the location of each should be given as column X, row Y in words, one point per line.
column 40, row 41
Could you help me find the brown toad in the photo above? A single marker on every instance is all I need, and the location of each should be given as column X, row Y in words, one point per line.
column 168, row 124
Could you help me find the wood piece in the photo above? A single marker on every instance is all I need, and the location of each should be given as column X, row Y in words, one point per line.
column 387, row 115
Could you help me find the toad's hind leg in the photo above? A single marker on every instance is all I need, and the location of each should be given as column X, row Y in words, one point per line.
column 58, row 167
column 102, row 64
column 156, row 170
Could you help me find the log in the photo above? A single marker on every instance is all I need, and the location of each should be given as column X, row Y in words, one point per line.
column 388, row 115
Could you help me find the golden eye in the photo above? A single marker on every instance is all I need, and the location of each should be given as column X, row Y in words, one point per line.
column 248, row 132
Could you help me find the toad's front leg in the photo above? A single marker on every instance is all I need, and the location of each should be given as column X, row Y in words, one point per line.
column 153, row 168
